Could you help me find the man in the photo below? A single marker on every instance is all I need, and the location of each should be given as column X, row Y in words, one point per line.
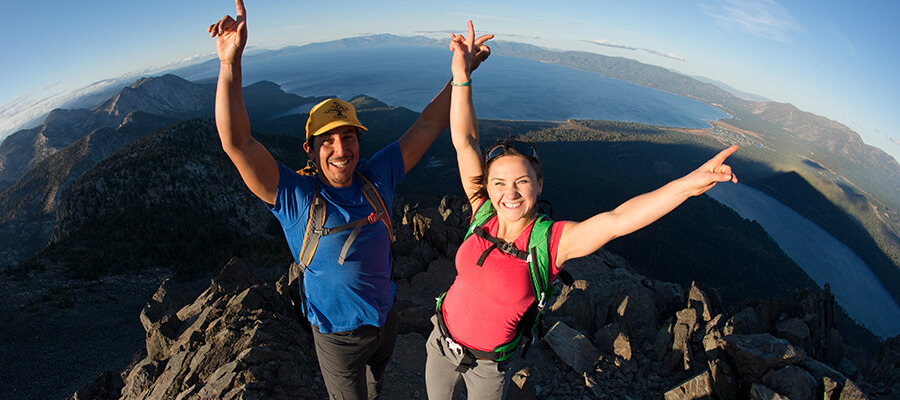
column 349, row 293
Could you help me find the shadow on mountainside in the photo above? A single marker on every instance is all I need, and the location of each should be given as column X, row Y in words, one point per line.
column 613, row 334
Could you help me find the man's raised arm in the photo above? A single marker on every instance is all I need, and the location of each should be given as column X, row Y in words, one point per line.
column 256, row 166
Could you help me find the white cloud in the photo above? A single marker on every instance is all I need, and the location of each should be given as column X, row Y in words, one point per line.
column 763, row 18
column 613, row 45
column 627, row 47
column 24, row 112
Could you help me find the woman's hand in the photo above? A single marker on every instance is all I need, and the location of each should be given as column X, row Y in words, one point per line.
column 231, row 35
column 711, row 172
column 468, row 53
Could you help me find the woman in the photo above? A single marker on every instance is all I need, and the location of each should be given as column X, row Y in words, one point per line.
column 493, row 290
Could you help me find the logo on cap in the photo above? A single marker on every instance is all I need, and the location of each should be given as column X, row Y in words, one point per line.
column 337, row 110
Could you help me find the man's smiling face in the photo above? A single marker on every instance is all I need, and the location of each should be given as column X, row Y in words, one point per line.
column 335, row 154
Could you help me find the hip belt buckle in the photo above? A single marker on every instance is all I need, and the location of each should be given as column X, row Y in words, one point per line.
column 455, row 347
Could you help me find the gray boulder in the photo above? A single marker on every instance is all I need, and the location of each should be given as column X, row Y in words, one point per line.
column 794, row 382
column 755, row 355
column 572, row 347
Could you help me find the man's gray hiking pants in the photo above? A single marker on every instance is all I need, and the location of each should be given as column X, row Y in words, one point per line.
column 353, row 362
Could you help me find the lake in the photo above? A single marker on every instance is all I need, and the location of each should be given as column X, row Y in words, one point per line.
column 824, row 258
column 505, row 87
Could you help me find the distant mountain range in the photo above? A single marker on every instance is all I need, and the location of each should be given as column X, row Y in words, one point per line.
column 738, row 93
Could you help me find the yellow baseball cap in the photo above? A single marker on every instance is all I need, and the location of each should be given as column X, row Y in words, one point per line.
column 331, row 114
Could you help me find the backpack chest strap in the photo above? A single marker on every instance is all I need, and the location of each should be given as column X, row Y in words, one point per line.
column 357, row 226
column 315, row 228
column 508, row 248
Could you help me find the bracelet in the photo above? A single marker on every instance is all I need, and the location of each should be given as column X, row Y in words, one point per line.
column 467, row 83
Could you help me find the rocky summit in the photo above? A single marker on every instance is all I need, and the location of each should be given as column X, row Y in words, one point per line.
column 613, row 334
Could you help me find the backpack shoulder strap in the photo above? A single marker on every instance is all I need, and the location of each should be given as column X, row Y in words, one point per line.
column 481, row 216
column 539, row 257
column 314, row 228
column 374, row 198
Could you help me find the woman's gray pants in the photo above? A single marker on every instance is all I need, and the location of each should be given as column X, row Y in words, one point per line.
column 485, row 380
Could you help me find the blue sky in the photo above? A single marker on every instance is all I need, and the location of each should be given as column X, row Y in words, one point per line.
column 837, row 59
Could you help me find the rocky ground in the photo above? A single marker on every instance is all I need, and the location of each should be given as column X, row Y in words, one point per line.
column 613, row 335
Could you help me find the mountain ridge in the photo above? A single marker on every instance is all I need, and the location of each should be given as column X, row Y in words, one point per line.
column 59, row 151
column 63, row 127
column 164, row 95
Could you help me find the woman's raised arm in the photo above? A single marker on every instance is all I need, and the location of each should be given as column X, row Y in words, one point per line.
column 463, row 124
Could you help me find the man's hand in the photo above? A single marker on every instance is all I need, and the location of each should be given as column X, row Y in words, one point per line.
column 231, row 34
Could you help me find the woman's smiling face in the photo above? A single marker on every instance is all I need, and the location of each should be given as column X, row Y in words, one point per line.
column 513, row 187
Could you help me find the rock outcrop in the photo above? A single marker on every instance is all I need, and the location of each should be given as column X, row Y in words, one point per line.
column 612, row 335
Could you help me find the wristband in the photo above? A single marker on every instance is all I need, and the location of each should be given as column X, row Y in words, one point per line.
column 467, row 83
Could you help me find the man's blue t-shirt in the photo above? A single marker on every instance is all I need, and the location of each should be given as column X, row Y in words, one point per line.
column 359, row 292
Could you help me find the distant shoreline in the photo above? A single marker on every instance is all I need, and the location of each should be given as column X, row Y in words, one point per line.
column 824, row 258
